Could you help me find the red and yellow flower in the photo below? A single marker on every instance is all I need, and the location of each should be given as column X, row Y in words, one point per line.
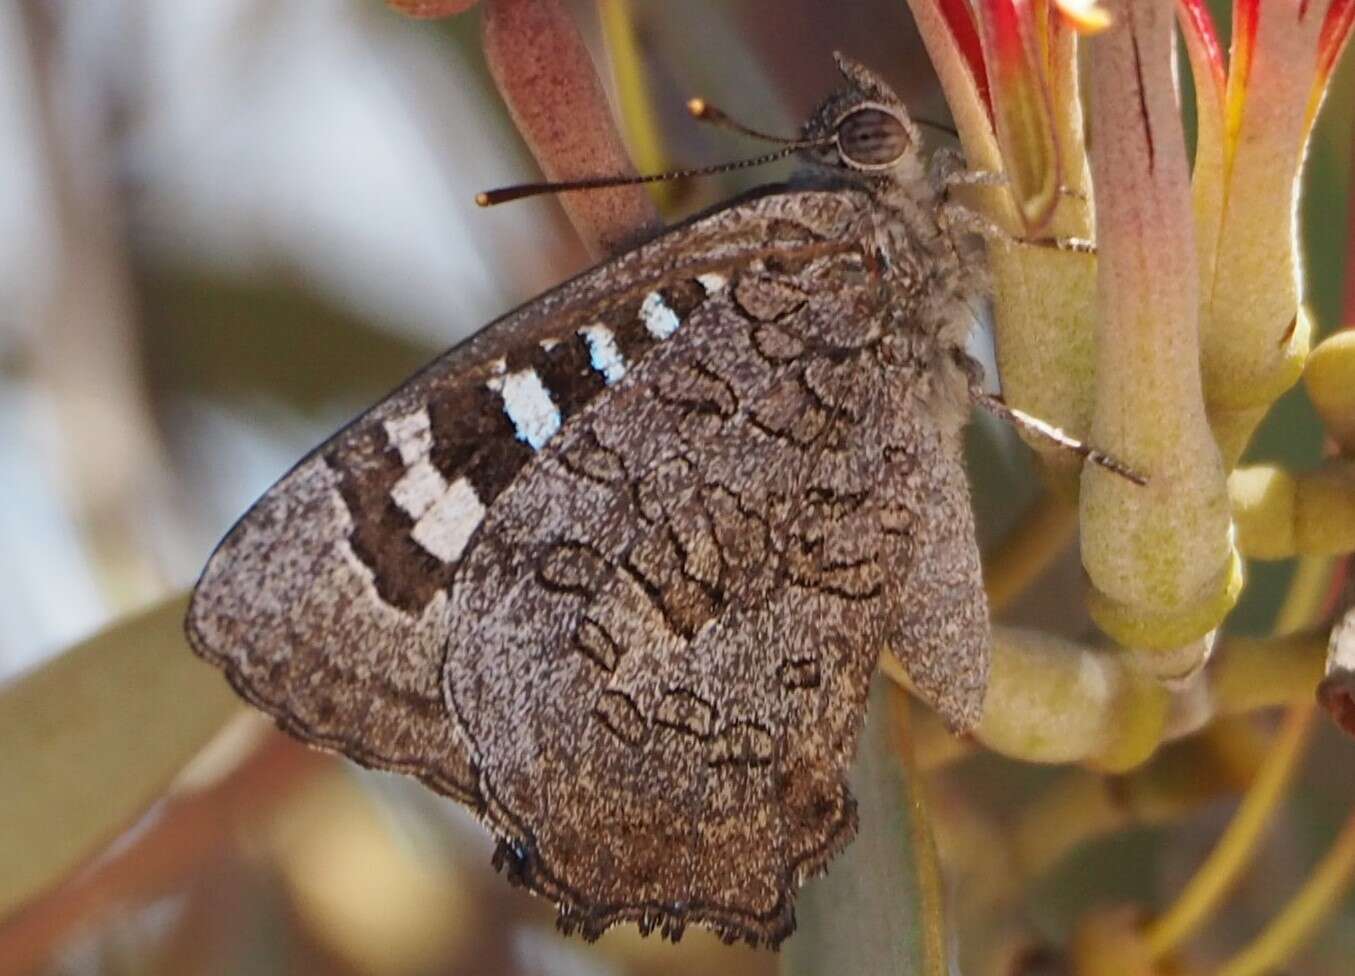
column 1169, row 343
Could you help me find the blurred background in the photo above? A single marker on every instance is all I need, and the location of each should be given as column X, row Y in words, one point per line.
column 226, row 226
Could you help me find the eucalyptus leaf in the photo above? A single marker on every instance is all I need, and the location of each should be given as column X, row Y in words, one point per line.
column 91, row 739
column 878, row 910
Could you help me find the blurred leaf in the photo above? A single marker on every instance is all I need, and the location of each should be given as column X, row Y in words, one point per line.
column 271, row 337
column 92, row 738
column 879, row 908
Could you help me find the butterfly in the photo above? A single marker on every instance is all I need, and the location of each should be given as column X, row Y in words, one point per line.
column 615, row 572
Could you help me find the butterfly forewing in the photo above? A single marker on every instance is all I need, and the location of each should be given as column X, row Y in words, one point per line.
column 326, row 604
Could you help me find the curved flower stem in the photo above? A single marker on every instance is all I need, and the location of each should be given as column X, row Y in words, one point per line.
column 1221, row 761
column 1055, row 701
column 1314, row 902
column 1280, row 514
column 1084, row 808
column 1248, row 674
column 1160, row 558
column 1329, row 376
column 543, row 70
column 1234, row 850
column 1051, row 700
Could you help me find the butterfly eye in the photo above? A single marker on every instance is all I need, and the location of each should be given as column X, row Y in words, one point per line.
column 871, row 138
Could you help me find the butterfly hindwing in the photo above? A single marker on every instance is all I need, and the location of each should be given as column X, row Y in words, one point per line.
column 940, row 630
column 662, row 642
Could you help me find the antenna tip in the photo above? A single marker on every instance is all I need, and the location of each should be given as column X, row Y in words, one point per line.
column 697, row 107
column 482, row 199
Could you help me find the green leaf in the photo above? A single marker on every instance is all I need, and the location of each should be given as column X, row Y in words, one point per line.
column 91, row 739
column 879, row 908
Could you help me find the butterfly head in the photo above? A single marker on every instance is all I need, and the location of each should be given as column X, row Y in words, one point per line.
column 865, row 128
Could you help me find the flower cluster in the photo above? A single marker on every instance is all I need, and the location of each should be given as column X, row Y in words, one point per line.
column 1169, row 341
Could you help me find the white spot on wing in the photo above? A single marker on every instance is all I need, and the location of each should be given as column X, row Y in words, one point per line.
column 411, row 435
column 603, row 353
column 548, row 344
column 446, row 527
column 660, row 320
column 712, row 282
column 419, row 488
column 528, row 405
column 444, row 517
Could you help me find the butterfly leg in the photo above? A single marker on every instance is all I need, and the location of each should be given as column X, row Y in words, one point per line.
column 1023, row 421
column 947, row 170
column 961, row 217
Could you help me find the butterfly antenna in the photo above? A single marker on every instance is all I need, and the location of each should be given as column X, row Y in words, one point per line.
column 949, row 130
column 491, row 198
column 706, row 112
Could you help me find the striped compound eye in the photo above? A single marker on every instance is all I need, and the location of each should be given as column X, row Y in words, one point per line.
column 871, row 138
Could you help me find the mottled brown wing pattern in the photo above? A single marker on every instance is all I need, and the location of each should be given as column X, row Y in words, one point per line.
column 615, row 572
column 662, row 641
column 326, row 605
column 940, row 629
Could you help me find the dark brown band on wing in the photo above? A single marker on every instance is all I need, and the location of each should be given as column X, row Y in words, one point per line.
column 404, row 574
column 472, row 436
